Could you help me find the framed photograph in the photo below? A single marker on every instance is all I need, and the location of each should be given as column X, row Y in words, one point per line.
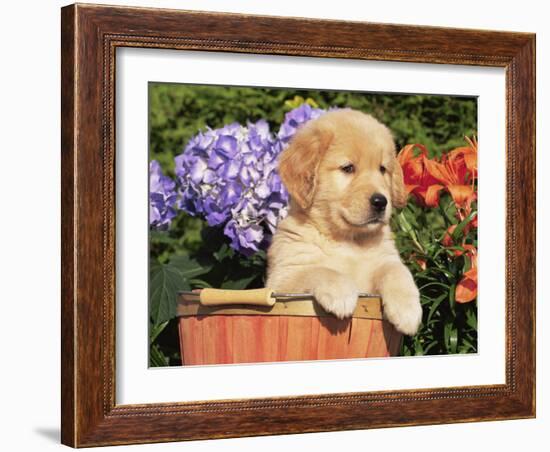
column 280, row 225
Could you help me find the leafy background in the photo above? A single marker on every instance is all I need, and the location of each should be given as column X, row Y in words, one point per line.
column 191, row 254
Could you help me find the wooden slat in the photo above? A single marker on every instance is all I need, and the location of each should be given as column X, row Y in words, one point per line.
column 298, row 344
column 231, row 339
column 393, row 339
column 367, row 308
column 359, row 338
column 378, row 347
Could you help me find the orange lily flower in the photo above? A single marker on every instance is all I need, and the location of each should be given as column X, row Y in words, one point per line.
column 422, row 263
column 418, row 175
column 425, row 178
column 458, row 171
column 466, row 289
column 465, row 160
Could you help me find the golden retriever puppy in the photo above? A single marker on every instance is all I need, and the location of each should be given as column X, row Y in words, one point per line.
column 343, row 179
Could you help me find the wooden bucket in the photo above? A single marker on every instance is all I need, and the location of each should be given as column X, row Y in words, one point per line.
column 287, row 331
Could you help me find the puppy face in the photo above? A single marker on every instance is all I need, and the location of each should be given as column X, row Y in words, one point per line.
column 341, row 170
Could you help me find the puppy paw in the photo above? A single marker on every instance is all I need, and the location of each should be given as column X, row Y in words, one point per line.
column 403, row 310
column 339, row 297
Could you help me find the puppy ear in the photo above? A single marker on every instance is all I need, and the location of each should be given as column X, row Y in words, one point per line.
column 299, row 162
column 398, row 192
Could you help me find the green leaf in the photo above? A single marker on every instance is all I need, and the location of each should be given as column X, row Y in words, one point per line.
column 452, row 302
column 161, row 237
column 448, row 216
column 454, row 340
column 418, row 349
column 434, row 306
column 404, row 224
column 188, row 267
column 450, row 334
column 435, row 283
column 467, row 347
column 156, row 330
column 457, row 233
column 164, row 283
column 239, row 284
column 157, row 358
column 197, row 283
column 471, row 319
column 431, row 345
column 224, row 252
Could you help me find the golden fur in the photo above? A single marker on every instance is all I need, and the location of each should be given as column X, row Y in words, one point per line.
column 333, row 243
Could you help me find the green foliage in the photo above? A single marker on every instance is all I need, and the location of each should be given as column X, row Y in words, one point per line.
column 177, row 112
column 447, row 327
column 164, row 282
column 192, row 255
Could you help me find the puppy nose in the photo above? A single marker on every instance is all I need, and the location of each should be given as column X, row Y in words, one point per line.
column 379, row 202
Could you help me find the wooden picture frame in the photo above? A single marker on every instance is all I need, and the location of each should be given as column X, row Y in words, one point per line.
column 90, row 36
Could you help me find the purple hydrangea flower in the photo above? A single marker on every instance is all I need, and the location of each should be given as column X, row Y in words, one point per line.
column 229, row 177
column 295, row 118
column 162, row 197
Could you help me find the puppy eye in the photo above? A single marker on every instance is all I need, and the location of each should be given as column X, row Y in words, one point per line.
column 382, row 169
column 348, row 169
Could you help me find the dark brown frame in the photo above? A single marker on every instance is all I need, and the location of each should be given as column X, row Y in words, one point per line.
column 90, row 34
